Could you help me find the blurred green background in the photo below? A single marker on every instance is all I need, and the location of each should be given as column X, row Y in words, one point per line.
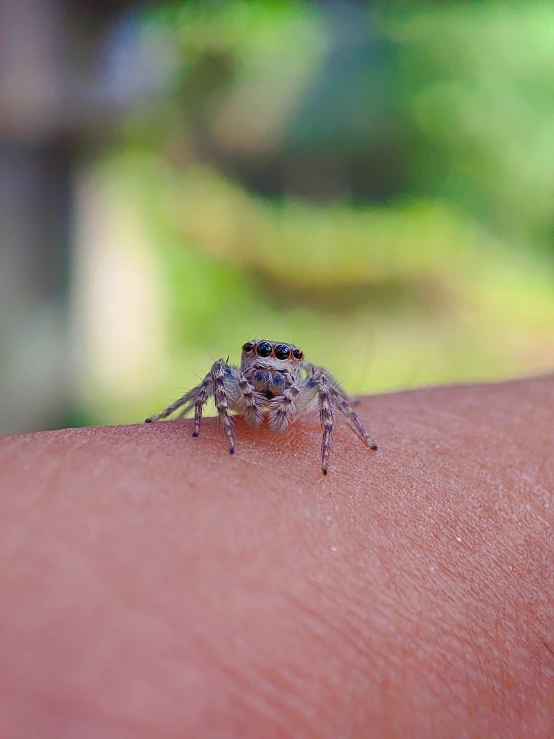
column 373, row 182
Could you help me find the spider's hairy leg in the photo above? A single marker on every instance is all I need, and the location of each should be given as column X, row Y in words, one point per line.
column 184, row 400
column 225, row 390
column 326, row 420
column 343, row 403
column 314, row 369
column 188, row 407
column 299, row 398
column 249, row 402
column 283, row 408
column 346, row 409
column 205, row 389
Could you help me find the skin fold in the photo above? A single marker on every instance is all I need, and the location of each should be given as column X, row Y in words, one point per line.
column 152, row 585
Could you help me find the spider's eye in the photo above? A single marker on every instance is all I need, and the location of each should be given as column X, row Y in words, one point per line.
column 282, row 351
column 247, row 347
column 298, row 354
column 263, row 349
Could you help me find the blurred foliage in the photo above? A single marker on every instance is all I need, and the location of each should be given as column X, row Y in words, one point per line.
column 376, row 187
column 479, row 80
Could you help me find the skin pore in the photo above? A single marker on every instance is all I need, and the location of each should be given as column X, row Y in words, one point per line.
column 153, row 585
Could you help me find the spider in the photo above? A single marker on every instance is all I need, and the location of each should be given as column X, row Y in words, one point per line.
column 273, row 378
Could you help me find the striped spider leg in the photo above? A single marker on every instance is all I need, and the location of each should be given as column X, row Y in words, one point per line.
column 231, row 391
column 318, row 389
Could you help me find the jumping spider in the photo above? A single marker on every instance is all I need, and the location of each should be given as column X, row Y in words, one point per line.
column 270, row 380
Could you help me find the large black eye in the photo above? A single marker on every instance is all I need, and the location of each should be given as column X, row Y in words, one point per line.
column 263, row 349
column 282, row 351
column 247, row 347
column 298, row 354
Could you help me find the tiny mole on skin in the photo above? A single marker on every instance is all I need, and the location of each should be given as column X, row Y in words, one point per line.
column 273, row 378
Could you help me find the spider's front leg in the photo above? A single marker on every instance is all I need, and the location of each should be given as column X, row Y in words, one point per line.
column 220, row 381
column 224, row 385
column 186, row 400
column 350, row 414
column 319, row 387
column 326, row 420
column 283, row 408
column 343, row 403
column 314, row 369
column 299, row 398
column 249, row 402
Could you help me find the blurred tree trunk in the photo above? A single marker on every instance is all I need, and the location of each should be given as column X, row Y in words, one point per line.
column 34, row 213
column 43, row 106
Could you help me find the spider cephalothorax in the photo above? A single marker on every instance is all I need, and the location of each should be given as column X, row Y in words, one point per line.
column 274, row 379
column 271, row 367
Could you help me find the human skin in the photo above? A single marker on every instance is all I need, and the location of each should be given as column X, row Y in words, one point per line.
column 152, row 585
